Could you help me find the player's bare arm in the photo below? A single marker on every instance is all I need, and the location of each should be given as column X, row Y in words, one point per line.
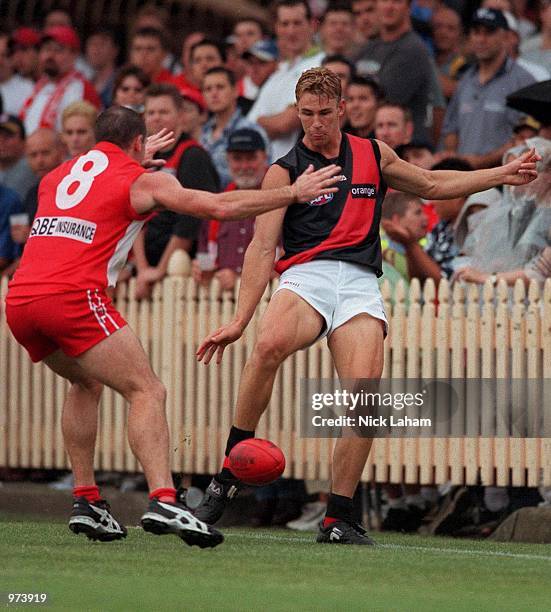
column 161, row 190
column 445, row 184
column 257, row 268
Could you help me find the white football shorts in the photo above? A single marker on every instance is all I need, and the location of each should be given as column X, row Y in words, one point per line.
column 338, row 290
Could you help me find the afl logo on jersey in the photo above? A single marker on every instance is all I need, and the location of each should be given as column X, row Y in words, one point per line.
column 321, row 200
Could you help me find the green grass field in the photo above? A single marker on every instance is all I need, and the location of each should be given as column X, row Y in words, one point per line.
column 271, row 570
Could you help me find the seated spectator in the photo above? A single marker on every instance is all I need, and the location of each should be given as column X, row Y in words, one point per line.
column 260, row 63
column 527, row 127
column 168, row 231
column 342, row 67
column 436, row 259
column 14, row 169
column 184, row 77
column 478, row 126
column 336, row 29
column 14, row 88
column 220, row 93
column 420, row 154
column 102, row 50
column 447, row 32
column 129, row 88
column 77, row 128
column 194, row 113
column 151, row 15
column 10, row 251
column 147, row 51
column 274, row 109
column 511, row 238
column 366, row 23
column 393, row 125
column 222, row 246
column 537, row 49
column 204, row 55
column 23, row 47
column 60, row 82
column 404, row 213
column 363, row 97
column 44, row 151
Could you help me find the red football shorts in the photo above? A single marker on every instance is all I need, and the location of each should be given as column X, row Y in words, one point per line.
column 73, row 322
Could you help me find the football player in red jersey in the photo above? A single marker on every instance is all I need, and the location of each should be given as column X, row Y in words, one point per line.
column 328, row 285
column 90, row 210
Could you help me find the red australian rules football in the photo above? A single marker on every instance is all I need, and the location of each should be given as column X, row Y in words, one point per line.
column 256, row 461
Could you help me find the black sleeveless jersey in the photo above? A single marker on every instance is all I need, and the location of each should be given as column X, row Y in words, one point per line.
column 343, row 225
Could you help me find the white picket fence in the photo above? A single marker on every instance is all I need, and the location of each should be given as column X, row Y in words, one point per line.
column 464, row 333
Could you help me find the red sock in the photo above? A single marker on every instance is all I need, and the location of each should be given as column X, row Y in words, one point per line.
column 91, row 493
column 164, row 494
column 329, row 521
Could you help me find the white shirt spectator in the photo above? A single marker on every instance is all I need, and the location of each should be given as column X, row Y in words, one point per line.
column 278, row 93
column 14, row 92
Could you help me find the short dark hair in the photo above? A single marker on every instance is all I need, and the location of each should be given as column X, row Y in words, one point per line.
column 337, row 6
column 453, row 163
column 165, row 89
column 338, row 58
column 292, row 3
column 222, row 70
column 207, row 42
column 119, row 125
column 365, row 81
column 408, row 117
column 151, row 33
column 131, row 70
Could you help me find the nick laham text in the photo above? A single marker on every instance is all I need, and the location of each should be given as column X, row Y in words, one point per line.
column 370, row 421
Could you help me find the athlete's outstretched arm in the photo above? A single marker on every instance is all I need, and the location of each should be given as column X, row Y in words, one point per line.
column 161, row 190
column 447, row 184
column 257, row 268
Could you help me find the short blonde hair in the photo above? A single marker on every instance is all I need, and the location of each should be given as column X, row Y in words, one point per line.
column 80, row 108
column 321, row 82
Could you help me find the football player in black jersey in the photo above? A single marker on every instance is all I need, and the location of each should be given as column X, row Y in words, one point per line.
column 328, row 285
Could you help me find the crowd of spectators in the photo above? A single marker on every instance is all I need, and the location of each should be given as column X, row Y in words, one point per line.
column 430, row 78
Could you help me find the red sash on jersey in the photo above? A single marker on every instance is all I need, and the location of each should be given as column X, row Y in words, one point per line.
column 357, row 215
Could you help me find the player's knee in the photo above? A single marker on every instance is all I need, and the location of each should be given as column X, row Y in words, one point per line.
column 90, row 387
column 270, row 352
column 157, row 391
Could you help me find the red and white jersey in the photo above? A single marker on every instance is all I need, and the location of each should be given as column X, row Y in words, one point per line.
column 49, row 99
column 84, row 227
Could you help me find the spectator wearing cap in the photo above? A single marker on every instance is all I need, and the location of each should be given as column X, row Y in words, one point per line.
column 14, row 169
column 220, row 93
column 274, row 109
column 101, row 52
column 147, row 51
column 24, row 52
column 478, row 126
column 538, row 48
column 168, row 231
column 402, row 63
column 194, row 112
column 60, row 83
column 14, row 88
column 260, row 63
column 527, row 127
column 363, row 97
column 222, row 244
column 129, row 88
